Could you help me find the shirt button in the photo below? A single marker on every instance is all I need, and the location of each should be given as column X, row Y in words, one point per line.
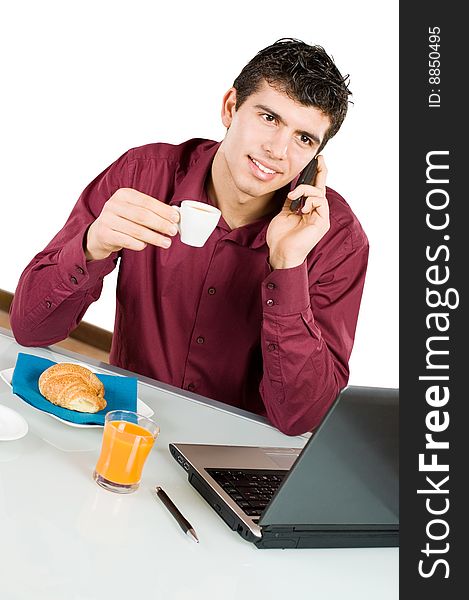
column 270, row 302
column 211, row 291
column 271, row 347
column 271, row 286
column 200, row 340
column 191, row 387
column 48, row 304
column 80, row 270
column 74, row 280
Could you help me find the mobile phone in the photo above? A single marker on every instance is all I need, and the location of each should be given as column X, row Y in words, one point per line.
column 307, row 176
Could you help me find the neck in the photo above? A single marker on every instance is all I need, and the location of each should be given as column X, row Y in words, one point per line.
column 238, row 208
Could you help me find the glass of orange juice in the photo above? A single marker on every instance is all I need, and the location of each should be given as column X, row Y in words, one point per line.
column 127, row 440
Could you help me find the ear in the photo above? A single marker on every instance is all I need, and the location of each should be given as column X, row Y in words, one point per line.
column 228, row 107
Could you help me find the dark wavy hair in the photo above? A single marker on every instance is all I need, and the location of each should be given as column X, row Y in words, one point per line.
column 307, row 74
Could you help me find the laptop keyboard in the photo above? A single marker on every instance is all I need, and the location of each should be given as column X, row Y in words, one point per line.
column 251, row 489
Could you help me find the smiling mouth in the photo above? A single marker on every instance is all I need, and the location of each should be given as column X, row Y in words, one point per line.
column 262, row 167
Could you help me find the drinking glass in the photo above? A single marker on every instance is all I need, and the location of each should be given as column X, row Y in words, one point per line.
column 128, row 438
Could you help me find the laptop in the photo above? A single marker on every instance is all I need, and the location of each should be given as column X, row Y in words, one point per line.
column 340, row 490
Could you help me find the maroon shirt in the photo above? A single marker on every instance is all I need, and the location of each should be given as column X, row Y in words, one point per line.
column 216, row 320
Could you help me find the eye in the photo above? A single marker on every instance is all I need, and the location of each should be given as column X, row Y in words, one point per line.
column 306, row 140
column 268, row 118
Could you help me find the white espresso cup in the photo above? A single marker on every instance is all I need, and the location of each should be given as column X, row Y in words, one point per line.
column 197, row 221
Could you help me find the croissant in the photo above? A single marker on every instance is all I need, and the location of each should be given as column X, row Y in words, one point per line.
column 72, row 386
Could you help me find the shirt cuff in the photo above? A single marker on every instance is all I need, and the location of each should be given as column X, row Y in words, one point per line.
column 286, row 291
column 75, row 272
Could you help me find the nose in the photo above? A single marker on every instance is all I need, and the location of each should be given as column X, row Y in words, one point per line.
column 277, row 145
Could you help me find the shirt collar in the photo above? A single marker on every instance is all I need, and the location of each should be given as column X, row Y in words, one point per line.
column 192, row 184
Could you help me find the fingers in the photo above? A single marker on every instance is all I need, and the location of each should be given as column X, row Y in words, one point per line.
column 314, row 195
column 139, row 218
column 138, row 199
column 131, row 219
column 316, row 205
column 304, row 190
column 321, row 174
column 318, row 184
column 135, row 236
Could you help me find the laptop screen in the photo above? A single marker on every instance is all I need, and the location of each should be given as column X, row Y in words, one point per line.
column 348, row 472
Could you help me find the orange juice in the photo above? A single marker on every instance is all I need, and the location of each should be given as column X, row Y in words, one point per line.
column 124, row 450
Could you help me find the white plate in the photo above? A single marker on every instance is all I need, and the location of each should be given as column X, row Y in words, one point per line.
column 12, row 424
column 142, row 408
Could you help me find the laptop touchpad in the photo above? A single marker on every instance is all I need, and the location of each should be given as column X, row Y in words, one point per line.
column 283, row 460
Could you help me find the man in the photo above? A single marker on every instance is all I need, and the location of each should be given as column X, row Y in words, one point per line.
column 263, row 316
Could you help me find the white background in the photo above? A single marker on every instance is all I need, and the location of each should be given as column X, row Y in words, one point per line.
column 82, row 82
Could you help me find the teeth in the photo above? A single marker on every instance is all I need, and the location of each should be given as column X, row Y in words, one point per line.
column 262, row 168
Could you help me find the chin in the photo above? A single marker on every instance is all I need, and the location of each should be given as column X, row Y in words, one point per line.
column 255, row 189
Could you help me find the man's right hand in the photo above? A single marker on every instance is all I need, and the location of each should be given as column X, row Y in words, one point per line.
column 130, row 219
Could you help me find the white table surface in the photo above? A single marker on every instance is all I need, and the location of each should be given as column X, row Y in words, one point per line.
column 62, row 537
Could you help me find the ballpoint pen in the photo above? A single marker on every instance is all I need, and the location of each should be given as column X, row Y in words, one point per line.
column 181, row 520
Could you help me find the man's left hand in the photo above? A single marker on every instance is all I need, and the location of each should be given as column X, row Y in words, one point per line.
column 290, row 236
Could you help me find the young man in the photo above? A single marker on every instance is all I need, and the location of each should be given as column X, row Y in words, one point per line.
column 263, row 316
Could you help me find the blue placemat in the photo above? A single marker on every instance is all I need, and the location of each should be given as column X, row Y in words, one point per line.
column 120, row 392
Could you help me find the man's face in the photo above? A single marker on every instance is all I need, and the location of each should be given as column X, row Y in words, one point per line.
column 270, row 139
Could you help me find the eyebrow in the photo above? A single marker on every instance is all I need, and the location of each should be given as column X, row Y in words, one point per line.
column 268, row 110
